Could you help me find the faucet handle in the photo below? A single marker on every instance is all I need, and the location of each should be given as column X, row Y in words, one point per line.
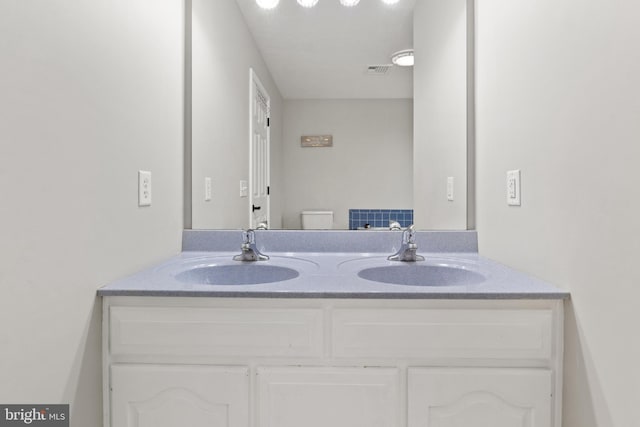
column 409, row 234
column 250, row 251
column 248, row 236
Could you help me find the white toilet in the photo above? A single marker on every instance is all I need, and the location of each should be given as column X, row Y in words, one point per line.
column 317, row 220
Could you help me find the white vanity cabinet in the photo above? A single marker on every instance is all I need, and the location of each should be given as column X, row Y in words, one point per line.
column 174, row 395
column 452, row 397
column 278, row 362
column 319, row 397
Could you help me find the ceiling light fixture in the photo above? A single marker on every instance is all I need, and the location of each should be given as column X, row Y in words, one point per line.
column 267, row 4
column 271, row 4
column 307, row 3
column 403, row 58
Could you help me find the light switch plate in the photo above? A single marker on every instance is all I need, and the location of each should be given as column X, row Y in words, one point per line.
column 513, row 188
column 450, row 188
column 144, row 188
column 244, row 188
column 207, row 189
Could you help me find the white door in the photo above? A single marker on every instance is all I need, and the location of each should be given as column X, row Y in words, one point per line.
column 483, row 397
column 328, row 397
column 259, row 153
column 179, row 396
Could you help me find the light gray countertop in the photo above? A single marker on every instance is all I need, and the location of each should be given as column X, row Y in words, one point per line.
column 329, row 267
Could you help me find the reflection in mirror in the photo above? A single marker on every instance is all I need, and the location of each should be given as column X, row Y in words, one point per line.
column 327, row 70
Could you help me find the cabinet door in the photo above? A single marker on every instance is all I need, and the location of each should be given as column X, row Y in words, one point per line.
column 465, row 397
column 178, row 396
column 328, row 397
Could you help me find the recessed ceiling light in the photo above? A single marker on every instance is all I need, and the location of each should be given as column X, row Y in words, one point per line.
column 267, row 4
column 403, row 58
column 390, row 1
column 307, row 3
column 349, row 3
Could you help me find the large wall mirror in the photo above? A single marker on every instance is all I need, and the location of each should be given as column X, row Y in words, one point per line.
column 385, row 142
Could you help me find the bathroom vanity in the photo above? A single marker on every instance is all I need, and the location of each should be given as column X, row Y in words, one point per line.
column 329, row 348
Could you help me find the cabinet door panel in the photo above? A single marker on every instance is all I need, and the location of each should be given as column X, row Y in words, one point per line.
column 479, row 397
column 323, row 397
column 177, row 396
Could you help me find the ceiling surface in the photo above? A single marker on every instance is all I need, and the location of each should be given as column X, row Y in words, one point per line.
column 324, row 52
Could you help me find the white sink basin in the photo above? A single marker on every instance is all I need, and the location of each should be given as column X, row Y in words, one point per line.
column 237, row 274
column 224, row 271
column 413, row 274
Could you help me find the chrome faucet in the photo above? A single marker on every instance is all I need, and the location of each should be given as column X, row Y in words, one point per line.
column 250, row 251
column 408, row 248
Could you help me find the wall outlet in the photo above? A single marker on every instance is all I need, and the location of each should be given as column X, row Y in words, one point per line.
column 513, row 188
column 207, row 189
column 144, row 188
column 450, row 189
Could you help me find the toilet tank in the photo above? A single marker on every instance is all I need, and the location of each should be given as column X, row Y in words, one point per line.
column 317, row 220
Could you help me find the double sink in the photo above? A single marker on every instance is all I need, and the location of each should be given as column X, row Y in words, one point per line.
column 221, row 271
column 331, row 264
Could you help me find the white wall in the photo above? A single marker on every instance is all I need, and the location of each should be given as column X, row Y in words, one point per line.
column 559, row 98
column 91, row 93
column 223, row 50
column 368, row 167
column 440, row 96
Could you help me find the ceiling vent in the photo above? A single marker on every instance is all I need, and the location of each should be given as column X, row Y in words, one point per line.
column 378, row 70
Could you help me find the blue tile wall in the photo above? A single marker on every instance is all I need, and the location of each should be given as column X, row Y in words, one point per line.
column 359, row 218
